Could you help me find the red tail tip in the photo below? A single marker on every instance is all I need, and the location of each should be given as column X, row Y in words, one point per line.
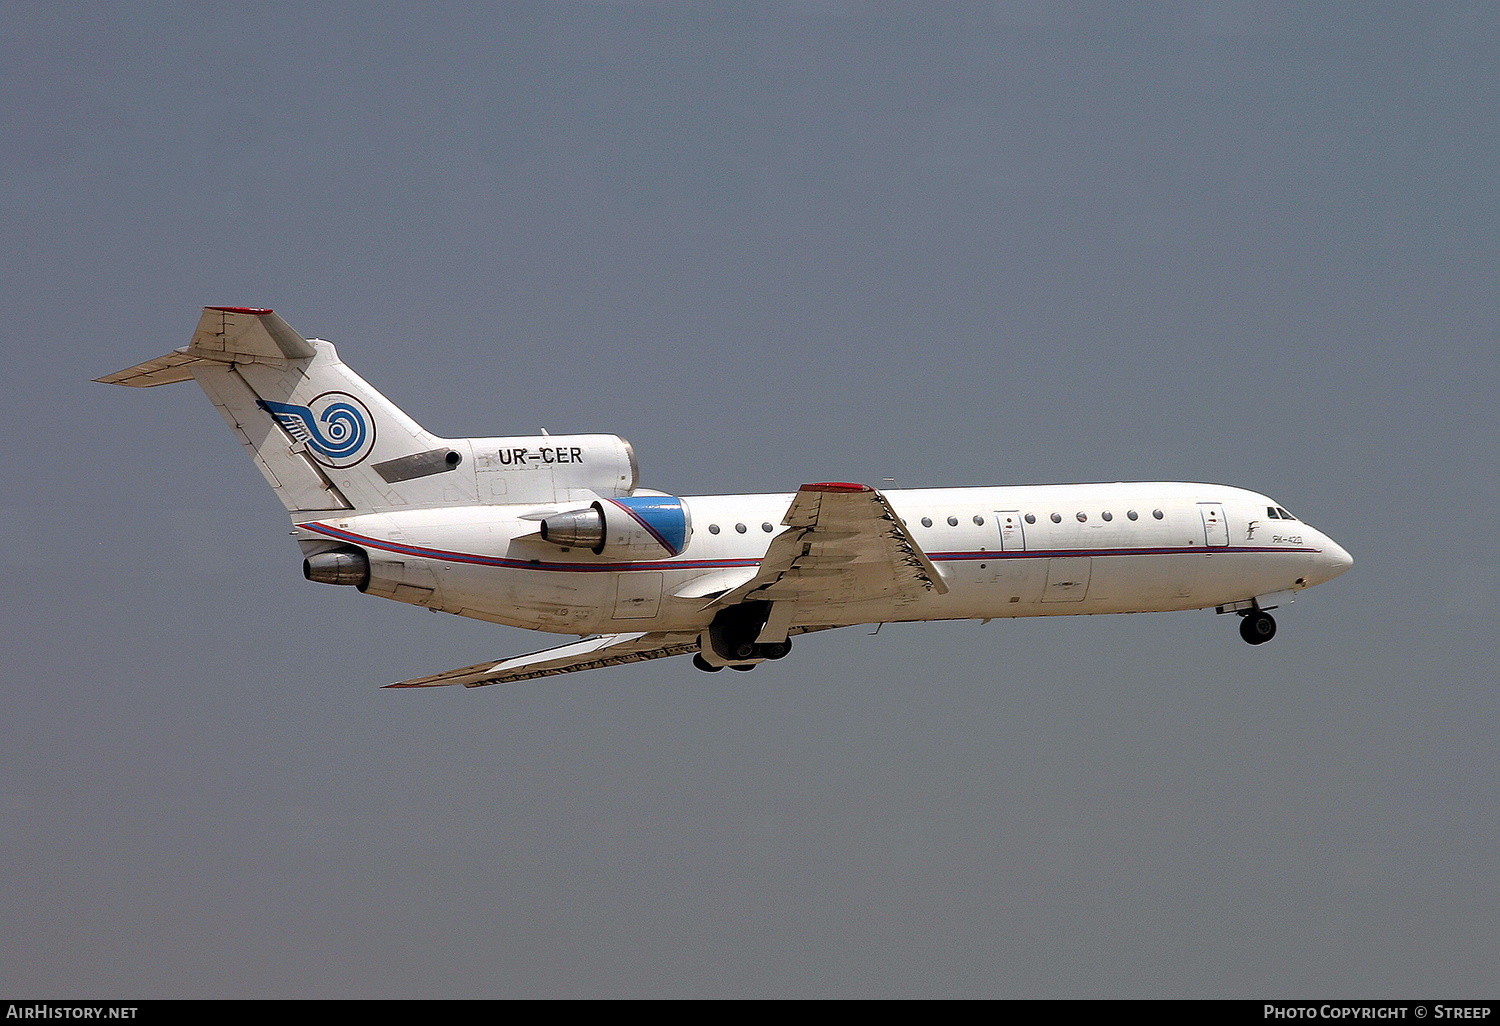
column 836, row 486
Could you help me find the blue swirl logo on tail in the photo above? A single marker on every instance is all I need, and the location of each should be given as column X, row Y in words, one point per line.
column 337, row 428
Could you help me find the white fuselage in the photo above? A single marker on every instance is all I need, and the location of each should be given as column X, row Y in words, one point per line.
column 553, row 532
column 1033, row 550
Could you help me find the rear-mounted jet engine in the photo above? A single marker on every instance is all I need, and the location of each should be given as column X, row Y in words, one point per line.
column 625, row 527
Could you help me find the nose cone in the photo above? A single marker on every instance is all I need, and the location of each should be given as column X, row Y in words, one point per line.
column 1334, row 559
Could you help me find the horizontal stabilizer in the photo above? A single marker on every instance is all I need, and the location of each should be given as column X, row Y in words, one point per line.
column 164, row 370
column 225, row 334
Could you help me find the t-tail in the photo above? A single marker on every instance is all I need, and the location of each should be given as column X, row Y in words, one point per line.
column 328, row 442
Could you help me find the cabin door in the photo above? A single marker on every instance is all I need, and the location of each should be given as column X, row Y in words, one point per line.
column 1215, row 527
column 1012, row 533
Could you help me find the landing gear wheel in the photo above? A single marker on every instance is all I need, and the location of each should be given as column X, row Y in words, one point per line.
column 734, row 630
column 743, row 667
column 704, row 664
column 1257, row 627
column 776, row 649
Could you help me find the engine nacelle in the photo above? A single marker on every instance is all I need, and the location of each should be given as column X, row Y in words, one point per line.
column 580, row 529
column 405, row 579
column 624, row 527
column 340, row 566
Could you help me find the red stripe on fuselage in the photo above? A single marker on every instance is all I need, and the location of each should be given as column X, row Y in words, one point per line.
column 719, row 564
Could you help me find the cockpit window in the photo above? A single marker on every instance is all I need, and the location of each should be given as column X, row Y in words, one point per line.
column 1271, row 512
column 1284, row 514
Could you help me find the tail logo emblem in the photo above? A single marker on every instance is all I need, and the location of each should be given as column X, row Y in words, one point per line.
column 336, row 427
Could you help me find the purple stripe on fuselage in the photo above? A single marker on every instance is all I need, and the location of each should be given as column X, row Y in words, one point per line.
column 523, row 564
column 720, row 564
column 1064, row 553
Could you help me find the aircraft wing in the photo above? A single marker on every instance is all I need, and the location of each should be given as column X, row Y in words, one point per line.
column 846, row 544
column 588, row 654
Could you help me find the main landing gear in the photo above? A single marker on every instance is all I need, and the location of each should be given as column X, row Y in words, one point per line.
column 731, row 640
column 1257, row 627
column 776, row 650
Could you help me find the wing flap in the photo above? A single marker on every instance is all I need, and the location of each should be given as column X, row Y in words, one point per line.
column 715, row 583
column 588, row 654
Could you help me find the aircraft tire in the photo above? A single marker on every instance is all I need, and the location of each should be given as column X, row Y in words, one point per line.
column 1257, row 627
column 776, row 650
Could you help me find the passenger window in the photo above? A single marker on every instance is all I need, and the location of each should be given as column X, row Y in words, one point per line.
column 766, row 527
column 926, row 521
column 953, row 521
column 1132, row 514
column 979, row 521
column 713, row 528
column 1031, row 518
column 1156, row 513
column 1107, row 516
column 1057, row 518
column 1082, row 517
column 740, row 528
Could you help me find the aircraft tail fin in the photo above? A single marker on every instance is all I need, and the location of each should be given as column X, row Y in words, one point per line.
column 324, row 439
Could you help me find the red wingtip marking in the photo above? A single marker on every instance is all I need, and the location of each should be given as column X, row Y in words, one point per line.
column 836, row 486
column 256, row 310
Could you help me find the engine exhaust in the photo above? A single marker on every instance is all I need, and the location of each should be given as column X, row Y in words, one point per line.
column 344, row 566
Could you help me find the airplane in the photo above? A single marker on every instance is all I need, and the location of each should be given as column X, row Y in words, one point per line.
column 554, row 532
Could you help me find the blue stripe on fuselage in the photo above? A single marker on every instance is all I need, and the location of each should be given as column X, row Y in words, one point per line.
column 718, row 564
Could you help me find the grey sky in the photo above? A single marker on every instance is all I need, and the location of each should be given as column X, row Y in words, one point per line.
column 971, row 244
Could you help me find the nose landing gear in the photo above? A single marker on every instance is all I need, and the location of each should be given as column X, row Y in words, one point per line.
column 1257, row 627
